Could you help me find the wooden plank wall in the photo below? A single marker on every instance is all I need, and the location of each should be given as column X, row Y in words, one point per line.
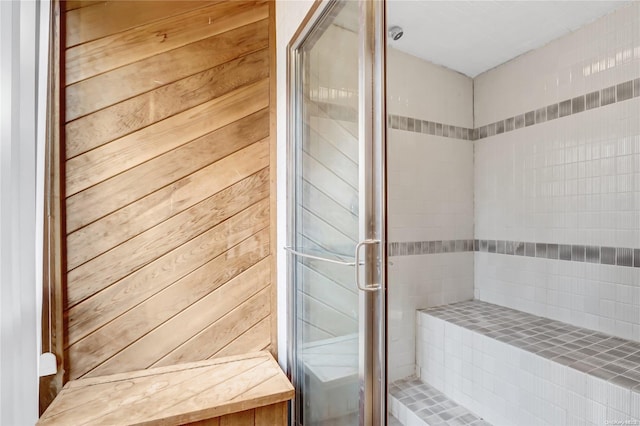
column 169, row 182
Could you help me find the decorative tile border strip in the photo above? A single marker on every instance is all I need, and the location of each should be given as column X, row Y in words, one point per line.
column 617, row 93
column 430, row 247
column 620, row 256
column 599, row 98
column 416, row 125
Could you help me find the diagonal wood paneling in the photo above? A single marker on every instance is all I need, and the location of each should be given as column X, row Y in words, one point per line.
column 169, row 182
column 109, row 17
column 193, row 321
column 254, row 339
column 132, row 325
column 217, row 335
column 178, row 234
column 122, row 154
column 120, row 190
column 135, row 113
column 107, row 53
column 232, row 389
column 137, row 217
column 138, row 77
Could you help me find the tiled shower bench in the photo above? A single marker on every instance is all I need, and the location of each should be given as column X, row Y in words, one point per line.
column 513, row 368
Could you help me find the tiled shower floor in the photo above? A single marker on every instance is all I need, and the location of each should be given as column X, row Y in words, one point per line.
column 609, row 358
column 431, row 405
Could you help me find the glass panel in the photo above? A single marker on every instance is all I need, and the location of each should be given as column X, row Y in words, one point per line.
column 326, row 216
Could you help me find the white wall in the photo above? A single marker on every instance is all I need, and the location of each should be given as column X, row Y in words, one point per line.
column 430, row 197
column 289, row 15
column 420, row 89
column 20, row 238
column 572, row 180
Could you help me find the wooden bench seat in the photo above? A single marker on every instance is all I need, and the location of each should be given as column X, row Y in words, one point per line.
column 247, row 389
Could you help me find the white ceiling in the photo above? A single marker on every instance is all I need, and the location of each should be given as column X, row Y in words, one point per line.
column 474, row 36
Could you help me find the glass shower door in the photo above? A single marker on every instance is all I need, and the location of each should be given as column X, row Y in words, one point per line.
column 336, row 228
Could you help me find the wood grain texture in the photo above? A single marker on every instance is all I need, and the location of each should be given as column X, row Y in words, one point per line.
column 109, row 17
column 138, row 374
column 219, row 334
column 254, row 339
column 207, row 311
column 194, row 190
column 116, row 298
column 244, row 418
column 133, row 114
column 142, row 249
column 136, row 148
column 234, row 389
column 139, row 77
column 274, row 414
column 249, row 382
column 122, row 189
column 132, row 325
column 117, row 227
column 102, row 55
column 169, row 185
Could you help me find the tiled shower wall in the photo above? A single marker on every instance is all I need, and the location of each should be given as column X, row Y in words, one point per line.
column 430, row 190
column 567, row 172
column 556, row 182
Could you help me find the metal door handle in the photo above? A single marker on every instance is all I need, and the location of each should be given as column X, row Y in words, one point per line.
column 371, row 287
column 323, row 259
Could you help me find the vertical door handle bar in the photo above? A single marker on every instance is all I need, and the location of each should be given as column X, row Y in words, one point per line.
column 366, row 287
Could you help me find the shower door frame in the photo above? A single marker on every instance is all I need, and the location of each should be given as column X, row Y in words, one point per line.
column 372, row 342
